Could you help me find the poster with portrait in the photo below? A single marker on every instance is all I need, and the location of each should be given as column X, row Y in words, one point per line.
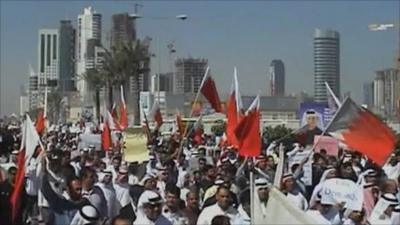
column 322, row 114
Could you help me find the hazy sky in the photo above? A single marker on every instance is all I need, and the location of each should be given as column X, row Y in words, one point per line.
column 246, row 34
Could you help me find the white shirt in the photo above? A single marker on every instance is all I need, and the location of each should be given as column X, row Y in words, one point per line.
column 132, row 179
column 298, row 200
column 140, row 220
column 32, row 181
column 210, row 212
column 318, row 217
column 113, row 206
column 175, row 218
column 161, row 188
column 122, row 194
column 242, row 218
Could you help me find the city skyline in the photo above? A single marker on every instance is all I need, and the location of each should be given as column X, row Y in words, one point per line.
column 270, row 36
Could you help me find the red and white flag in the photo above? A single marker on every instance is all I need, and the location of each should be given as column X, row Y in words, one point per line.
column 30, row 143
column 233, row 111
column 123, row 115
column 362, row 131
column 248, row 131
column 156, row 114
column 106, row 142
column 40, row 123
column 209, row 91
column 114, row 112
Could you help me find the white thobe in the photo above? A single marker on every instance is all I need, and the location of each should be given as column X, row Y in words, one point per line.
column 298, row 200
column 122, row 194
column 210, row 212
column 318, row 217
column 113, row 206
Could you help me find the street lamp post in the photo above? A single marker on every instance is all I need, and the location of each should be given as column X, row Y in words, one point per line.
column 178, row 17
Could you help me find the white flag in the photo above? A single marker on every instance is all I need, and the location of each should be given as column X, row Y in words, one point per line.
column 281, row 211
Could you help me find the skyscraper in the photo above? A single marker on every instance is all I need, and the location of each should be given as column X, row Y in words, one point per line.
column 48, row 57
column 123, row 29
column 368, row 90
column 89, row 27
column 387, row 92
column 189, row 74
column 326, row 63
column 277, row 78
column 33, row 93
column 67, row 56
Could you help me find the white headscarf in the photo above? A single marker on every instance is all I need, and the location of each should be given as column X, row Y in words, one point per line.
column 383, row 203
column 318, row 187
column 88, row 214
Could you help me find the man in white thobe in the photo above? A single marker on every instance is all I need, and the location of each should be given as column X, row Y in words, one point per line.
column 222, row 207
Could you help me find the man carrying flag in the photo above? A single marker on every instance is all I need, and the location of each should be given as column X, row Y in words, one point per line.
column 30, row 143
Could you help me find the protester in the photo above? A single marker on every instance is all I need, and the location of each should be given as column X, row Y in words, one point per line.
column 222, row 207
column 70, row 182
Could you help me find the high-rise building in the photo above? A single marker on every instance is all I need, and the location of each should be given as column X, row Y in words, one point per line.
column 33, row 89
column 326, row 63
column 33, row 79
column 165, row 80
column 89, row 27
column 189, row 74
column 387, row 92
column 277, row 78
column 123, row 29
column 48, row 58
column 368, row 91
column 67, row 56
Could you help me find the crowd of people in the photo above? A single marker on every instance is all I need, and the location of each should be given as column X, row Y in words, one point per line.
column 186, row 183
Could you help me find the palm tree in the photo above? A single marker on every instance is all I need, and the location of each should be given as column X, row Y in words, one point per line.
column 95, row 80
column 126, row 61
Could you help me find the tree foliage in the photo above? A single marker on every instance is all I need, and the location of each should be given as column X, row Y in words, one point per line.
column 275, row 133
column 219, row 128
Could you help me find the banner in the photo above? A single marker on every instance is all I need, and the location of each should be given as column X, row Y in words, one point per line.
column 136, row 148
column 336, row 190
column 330, row 144
column 89, row 139
column 322, row 110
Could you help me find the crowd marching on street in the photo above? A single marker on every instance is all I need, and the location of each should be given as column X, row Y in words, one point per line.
column 49, row 177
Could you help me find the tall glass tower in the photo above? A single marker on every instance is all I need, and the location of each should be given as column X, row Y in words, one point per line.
column 326, row 63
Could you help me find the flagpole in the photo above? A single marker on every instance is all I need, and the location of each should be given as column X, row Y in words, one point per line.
column 191, row 111
column 252, row 192
column 45, row 102
column 333, row 94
